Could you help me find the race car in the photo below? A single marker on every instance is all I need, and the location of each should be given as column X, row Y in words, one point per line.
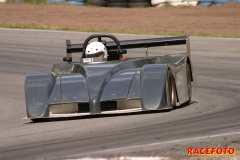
column 104, row 81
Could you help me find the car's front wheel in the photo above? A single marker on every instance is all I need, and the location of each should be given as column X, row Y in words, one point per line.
column 171, row 90
column 189, row 84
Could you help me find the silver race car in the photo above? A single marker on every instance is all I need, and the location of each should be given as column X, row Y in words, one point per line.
column 103, row 81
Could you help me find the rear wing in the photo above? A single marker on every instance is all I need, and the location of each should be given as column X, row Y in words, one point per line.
column 138, row 43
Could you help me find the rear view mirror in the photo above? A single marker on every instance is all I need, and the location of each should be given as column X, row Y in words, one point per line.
column 122, row 51
column 67, row 59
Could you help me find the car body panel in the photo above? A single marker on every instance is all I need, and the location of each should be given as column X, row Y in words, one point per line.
column 134, row 91
column 123, row 81
column 71, row 93
column 153, row 86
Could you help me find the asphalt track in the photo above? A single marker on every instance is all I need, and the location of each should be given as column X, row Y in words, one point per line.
column 211, row 120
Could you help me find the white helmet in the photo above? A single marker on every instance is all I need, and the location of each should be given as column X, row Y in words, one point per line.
column 96, row 50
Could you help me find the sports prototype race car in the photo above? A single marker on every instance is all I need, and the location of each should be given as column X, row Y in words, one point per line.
column 104, row 81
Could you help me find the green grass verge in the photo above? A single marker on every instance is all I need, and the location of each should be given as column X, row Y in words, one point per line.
column 123, row 31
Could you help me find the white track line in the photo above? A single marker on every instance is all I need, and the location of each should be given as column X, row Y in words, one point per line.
column 124, row 158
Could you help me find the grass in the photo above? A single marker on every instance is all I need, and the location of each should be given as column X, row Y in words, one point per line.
column 123, row 31
column 61, row 28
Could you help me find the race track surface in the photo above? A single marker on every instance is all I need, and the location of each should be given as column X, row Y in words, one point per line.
column 211, row 120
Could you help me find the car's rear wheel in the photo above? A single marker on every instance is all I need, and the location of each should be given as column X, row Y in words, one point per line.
column 171, row 90
column 189, row 84
column 121, row 5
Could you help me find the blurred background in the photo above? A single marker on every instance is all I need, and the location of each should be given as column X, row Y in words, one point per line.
column 128, row 3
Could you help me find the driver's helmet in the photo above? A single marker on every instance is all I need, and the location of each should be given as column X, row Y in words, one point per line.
column 96, row 50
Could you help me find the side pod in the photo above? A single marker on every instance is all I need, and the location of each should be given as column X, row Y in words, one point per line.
column 153, row 87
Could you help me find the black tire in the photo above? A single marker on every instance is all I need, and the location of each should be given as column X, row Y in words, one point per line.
column 139, row 5
column 139, row 1
column 171, row 90
column 120, row 5
column 97, row 3
column 189, row 84
column 117, row 1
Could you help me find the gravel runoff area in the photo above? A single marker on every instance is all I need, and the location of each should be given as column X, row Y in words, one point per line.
column 222, row 20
